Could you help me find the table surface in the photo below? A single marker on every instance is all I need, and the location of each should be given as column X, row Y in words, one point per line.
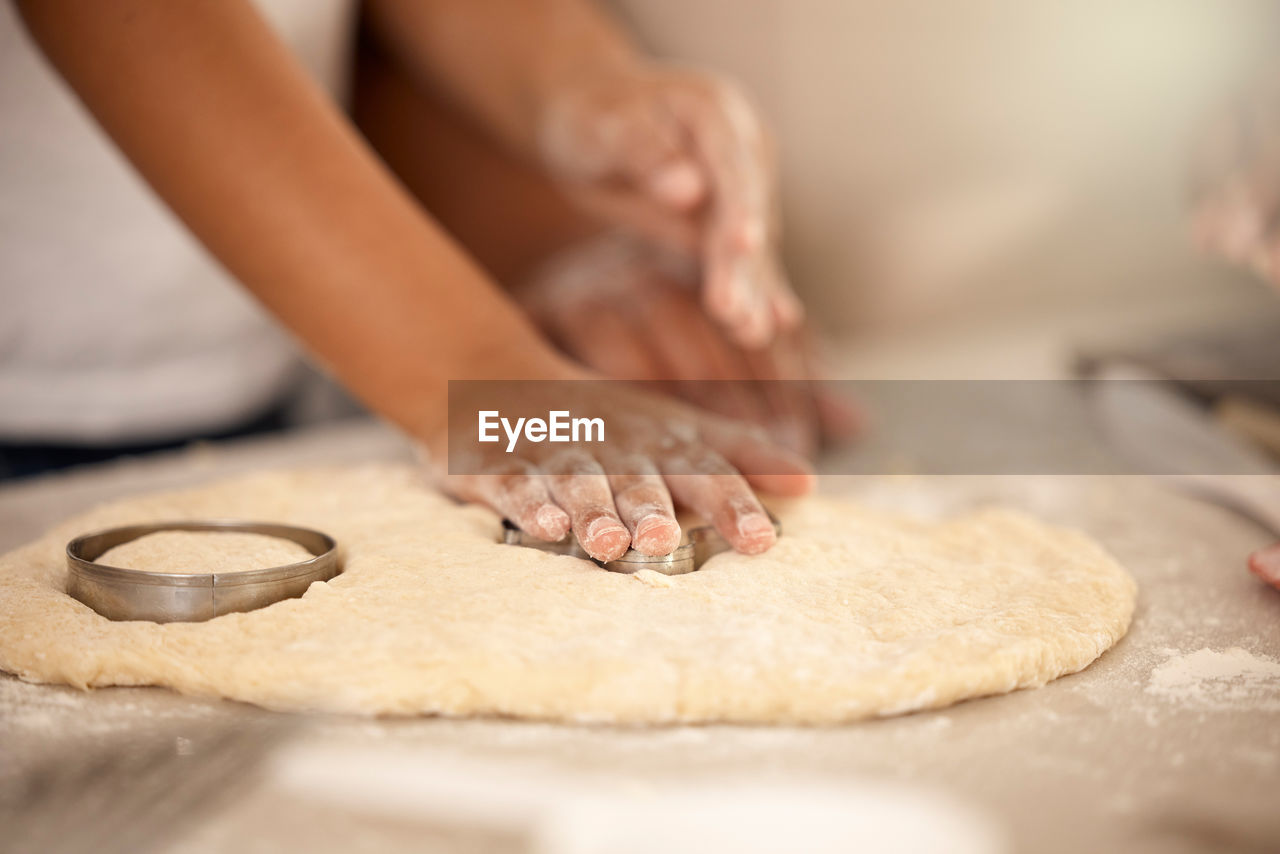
column 1170, row 742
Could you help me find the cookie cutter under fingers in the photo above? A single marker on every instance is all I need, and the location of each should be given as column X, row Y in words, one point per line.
column 164, row 597
column 700, row 545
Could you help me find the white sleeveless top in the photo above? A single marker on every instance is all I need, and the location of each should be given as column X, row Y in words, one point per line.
column 115, row 324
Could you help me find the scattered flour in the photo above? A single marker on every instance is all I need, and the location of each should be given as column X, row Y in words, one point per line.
column 653, row 579
column 1231, row 679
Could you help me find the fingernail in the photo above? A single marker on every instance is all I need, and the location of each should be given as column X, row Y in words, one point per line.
column 754, row 525
column 756, row 532
column 553, row 521
column 656, row 534
column 602, row 525
column 650, row 523
column 606, row 539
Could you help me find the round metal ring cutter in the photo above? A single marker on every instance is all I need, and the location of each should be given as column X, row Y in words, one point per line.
column 163, row 597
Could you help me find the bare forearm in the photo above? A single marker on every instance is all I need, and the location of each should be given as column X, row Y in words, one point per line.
column 216, row 114
column 502, row 59
column 509, row 215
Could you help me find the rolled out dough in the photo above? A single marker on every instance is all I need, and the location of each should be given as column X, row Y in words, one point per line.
column 204, row 552
column 854, row 613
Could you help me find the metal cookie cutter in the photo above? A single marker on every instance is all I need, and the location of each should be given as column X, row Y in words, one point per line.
column 165, row 597
column 702, row 543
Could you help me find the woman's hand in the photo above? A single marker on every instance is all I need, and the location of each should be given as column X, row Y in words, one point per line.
column 1236, row 182
column 621, row 492
column 676, row 155
column 630, row 311
column 682, row 158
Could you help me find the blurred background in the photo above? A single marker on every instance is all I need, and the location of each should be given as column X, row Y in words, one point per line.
column 977, row 189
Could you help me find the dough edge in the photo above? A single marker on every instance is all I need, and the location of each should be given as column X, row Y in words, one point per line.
column 618, row 689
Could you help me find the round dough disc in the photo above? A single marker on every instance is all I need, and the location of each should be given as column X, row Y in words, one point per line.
column 204, row 552
column 854, row 613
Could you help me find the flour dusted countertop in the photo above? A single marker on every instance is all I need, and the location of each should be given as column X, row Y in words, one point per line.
column 1168, row 742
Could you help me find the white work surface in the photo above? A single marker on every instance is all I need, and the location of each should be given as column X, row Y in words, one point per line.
column 1170, row 742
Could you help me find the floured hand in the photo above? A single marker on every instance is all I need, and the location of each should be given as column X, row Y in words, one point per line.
column 682, row 158
column 619, row 494
column 630, row 310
